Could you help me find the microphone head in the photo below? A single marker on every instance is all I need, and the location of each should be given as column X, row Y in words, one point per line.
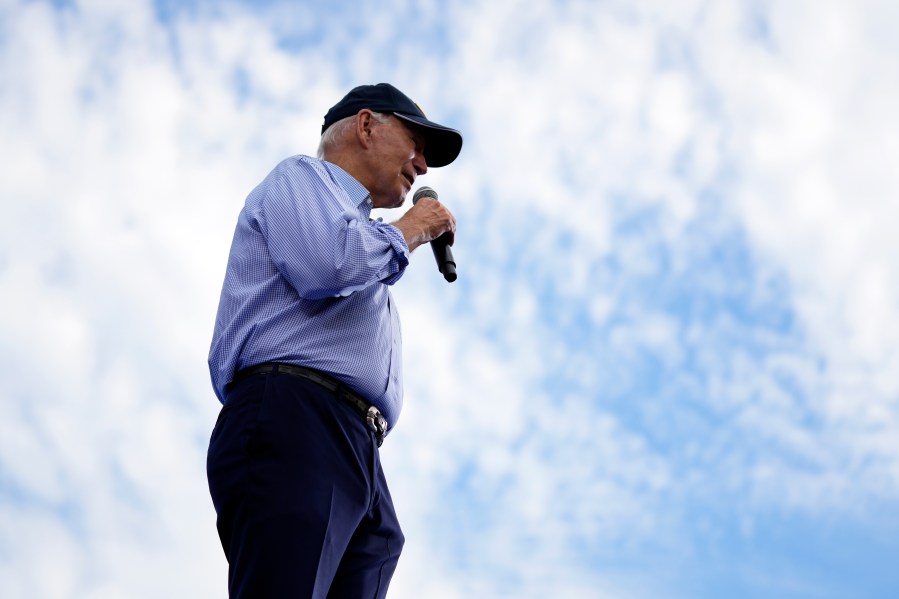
column 424, row 192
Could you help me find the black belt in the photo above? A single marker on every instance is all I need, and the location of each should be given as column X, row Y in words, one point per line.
column 372, row 415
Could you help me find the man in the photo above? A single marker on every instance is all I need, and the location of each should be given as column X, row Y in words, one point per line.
column 306, row 354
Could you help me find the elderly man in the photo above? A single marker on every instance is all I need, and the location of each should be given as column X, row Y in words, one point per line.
column 306, row 354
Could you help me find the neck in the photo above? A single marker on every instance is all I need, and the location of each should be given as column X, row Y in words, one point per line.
column 352, row 164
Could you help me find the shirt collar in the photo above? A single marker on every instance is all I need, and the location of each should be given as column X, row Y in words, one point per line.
column 356, row 192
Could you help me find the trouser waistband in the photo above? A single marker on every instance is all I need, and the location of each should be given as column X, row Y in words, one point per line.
column 372, row 415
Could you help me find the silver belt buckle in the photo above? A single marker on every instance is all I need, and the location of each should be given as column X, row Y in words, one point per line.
column 377, row 422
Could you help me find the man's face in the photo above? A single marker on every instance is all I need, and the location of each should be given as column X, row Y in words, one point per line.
column 398, row 149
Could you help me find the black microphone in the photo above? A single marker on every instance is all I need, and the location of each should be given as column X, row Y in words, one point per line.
column 443, row 253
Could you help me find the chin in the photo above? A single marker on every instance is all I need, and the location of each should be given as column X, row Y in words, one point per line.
column 393, row 202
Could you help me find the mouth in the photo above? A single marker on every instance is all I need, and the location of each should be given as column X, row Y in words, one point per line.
column 408, row 178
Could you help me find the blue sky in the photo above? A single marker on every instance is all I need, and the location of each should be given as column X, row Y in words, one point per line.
column 670, row 365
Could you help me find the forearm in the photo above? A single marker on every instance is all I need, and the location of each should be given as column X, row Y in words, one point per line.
column 426, row 220
column 414, row 233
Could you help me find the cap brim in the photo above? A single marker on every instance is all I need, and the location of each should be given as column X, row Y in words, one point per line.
column 442, row 144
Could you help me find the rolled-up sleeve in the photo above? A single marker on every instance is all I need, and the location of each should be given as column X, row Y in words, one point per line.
column 322, row 243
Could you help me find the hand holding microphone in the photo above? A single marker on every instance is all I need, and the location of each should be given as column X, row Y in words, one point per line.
column 446, row 263
column 429, row 220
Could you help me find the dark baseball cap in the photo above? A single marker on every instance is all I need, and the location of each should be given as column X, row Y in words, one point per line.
column 442, row 144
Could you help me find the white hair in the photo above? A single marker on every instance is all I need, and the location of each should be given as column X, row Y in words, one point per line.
column 336, row 131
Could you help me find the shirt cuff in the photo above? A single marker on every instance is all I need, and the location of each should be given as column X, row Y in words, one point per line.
column 394, row 237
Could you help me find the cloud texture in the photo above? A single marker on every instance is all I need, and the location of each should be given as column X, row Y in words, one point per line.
column 669, row 367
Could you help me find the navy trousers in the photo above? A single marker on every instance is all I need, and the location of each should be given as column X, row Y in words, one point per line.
column 302, row 503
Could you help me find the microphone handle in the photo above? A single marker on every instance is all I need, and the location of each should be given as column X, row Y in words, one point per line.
column 443, row 253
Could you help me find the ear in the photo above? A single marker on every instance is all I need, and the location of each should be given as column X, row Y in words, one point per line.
column 364, row 126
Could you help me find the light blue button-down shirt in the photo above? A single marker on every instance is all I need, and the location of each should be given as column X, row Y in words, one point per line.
column 307, row 284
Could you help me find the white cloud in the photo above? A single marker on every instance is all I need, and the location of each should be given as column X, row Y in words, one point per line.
column 676, row 293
